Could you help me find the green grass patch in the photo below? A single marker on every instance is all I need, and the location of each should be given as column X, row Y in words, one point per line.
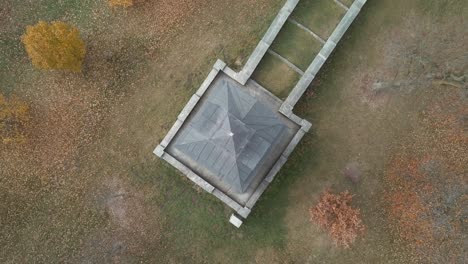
column 276, row 76
column 347, row 2
column 296, row 45
column 194, row 219
column 440, row 8
column 320, row 16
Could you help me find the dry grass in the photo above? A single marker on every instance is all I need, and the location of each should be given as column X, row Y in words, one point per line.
column 94, row 133
column 123, row 3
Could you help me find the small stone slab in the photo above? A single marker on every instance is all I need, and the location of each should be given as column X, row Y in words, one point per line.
column 219, row 65
column 315, row 66
column 359, row 3
column 327, row 49
column 306, row 125
column 228, row 201
column 207, row 82
column 171, row 134
column 255, row 58
column 276, row 168
column 189, row 173
column 343, row 26
column 295, row 119
column 300, row 88
column 286, row 109
column 159, row 151
column 290, row 5
column 200, row 182
column 176, row 164
column 276, row 26
column 244, row 212
column 292, row 145
column 230, row 72
column 256, row 195
column 188, row 107
column 242, row 77
column 235, row 221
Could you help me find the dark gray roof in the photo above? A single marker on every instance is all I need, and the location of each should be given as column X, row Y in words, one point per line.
column 230, row 135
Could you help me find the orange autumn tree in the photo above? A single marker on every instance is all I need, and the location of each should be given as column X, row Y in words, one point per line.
column 124, row 3
column 335, row 214
column 55, row 46
column 14, row 115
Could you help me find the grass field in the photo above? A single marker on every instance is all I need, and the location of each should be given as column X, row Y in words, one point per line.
column 276, row 76
column 320, row 16
column 347, row 2
column 296, row 45
column 87, row 188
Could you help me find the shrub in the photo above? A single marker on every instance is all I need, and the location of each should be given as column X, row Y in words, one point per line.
column 335, row 214
column 14, row 115
column 54, row 46
column 124, row 3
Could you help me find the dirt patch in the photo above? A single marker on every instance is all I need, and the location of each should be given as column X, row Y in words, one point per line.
column 267, row 256
column 352, row 172
column 133, row 226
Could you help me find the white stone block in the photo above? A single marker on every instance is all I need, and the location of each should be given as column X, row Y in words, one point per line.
column 286, row 109
column 255, row 58
column 290, row 5
column 200, row 182
column 276, row 168
column 228, row 201
column 295, row 119
column 219, row 65
column 327, row 49
column 360, row 3
column 292, row 145
column 256, row 195
column 275, row 27
column 159, row 151
column 207, row 82
column 244, row 212
column 305, row 125
column 188, row 107
column 171, row 134
column 235, row 221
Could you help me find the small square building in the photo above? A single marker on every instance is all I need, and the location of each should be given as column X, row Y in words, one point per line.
column 231, row 139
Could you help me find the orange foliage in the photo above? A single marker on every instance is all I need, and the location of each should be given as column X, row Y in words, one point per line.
column 14, row 115
column 335, row 214
column 54, row 46
column 406, row 205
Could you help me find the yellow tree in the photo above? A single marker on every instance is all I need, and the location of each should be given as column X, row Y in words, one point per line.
column 124, row 3
column 54, row 46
